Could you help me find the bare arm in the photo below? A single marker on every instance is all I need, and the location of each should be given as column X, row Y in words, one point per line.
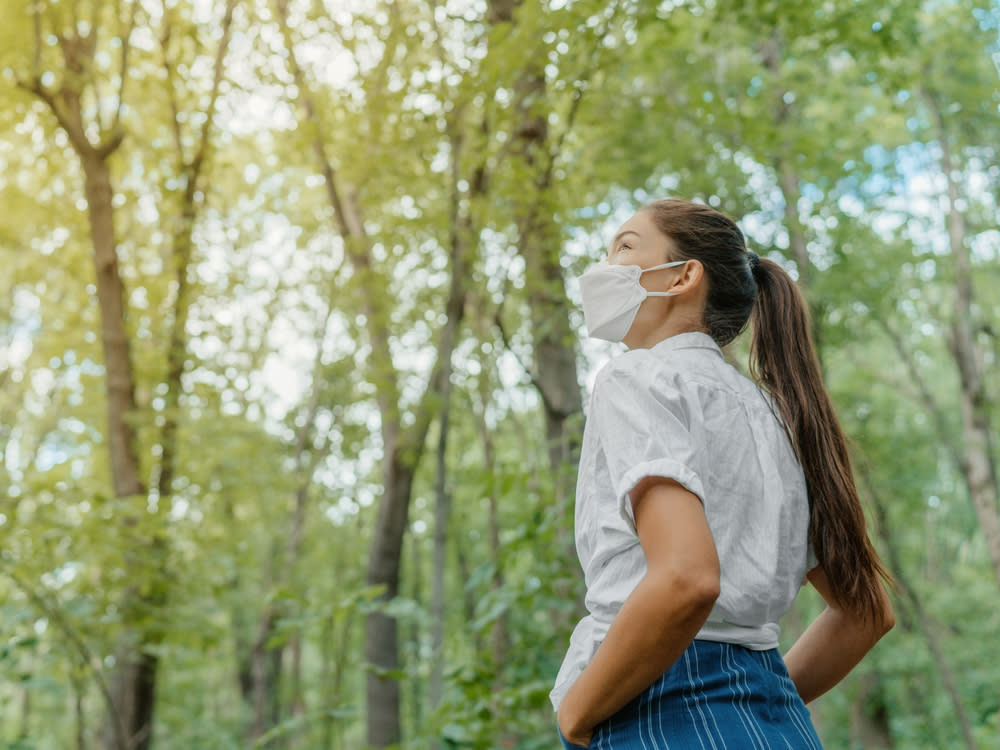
column 834, row 643
column 660, row 618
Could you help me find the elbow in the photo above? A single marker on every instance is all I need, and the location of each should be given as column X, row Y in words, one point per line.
column 709, row 589
column 872, row 626
column 707, row 585
column 701, row 595
column 885, row 616
column 887, row 621
column 693, row 592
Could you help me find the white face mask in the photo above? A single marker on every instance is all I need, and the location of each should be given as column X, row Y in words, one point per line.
column 612, row 295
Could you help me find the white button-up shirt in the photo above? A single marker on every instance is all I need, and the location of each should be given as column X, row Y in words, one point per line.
column 679, row 410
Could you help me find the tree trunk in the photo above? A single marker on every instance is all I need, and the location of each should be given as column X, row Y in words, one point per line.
column 442, row 512
column 132, row 691
column 182, row 246
column 24, row 718
column 499, row 630
column 260, row 678
column 381, row 637
column 975, row 449
column 788, row 184
column 869, row 715
column 402, row 450
column 914, row 609
column 262, row 667
column 297, row 698
column 133, row 683
column 461, row 247
column 555, row 356
column 79, row 715
column 326, row 667
column 122, row 449
column 469, row 597
column 554, row 346
column 335, row 653
column 978, row 464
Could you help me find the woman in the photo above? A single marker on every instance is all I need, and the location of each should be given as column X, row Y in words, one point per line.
column 705, row 500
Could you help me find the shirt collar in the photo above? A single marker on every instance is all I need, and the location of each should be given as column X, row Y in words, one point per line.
column 688, row 340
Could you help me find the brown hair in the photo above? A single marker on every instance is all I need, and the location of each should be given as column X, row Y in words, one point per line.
column 784, row 362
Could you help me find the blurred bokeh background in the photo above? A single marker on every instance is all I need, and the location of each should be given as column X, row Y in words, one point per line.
column 292, row 375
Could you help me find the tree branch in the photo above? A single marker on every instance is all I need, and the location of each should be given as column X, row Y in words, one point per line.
column 498, row 322
column 87, row 657
column 168, row 68
column 218, row 72
column 36, row 23
column 126, row 48
column 926, row 395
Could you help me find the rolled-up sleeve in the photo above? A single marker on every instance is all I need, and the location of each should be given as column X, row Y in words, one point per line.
column 646, row 429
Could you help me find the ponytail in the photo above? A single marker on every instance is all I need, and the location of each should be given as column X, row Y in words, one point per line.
column 783, row 360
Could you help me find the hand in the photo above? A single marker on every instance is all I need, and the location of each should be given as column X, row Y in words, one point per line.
column 573, row 736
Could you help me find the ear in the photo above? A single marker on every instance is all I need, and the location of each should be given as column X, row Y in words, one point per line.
column 691, row 278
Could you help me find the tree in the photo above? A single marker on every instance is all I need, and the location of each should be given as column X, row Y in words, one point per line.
column 94, row 138
column 402, row 446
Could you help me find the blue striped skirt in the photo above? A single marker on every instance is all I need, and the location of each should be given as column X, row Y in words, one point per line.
column 717, row 696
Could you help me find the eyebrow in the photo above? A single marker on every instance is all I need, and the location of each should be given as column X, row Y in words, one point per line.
column 623, row 233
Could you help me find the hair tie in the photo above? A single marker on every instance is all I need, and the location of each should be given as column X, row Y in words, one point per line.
column 754, row 260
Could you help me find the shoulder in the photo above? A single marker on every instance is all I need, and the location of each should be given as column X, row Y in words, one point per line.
column 688, row 375
column 682, row 360
column 642, row 383
column 640, row 368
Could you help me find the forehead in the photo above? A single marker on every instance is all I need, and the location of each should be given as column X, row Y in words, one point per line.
column 640, row 223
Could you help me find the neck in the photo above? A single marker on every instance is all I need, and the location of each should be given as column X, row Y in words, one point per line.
column 672, row 327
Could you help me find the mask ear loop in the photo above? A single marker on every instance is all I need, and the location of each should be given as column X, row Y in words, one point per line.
column 672, row 264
